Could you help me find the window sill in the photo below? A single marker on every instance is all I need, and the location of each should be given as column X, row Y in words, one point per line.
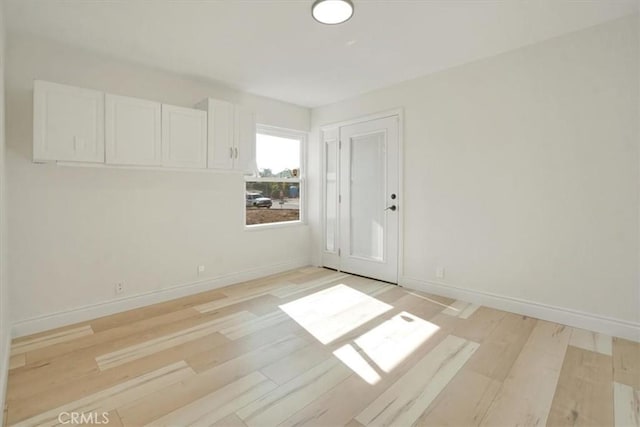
column 274, row 225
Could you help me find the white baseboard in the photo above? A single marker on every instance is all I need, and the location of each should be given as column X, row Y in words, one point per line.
column 93, row 311
column 606, row 325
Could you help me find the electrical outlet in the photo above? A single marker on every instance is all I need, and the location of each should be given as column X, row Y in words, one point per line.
column 440, row 272
column 119, row 288
column 200, row 269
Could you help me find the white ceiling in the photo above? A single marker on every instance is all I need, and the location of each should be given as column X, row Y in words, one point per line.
column 275, row 49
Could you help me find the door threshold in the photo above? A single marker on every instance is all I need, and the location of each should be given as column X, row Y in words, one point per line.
column 360, row 275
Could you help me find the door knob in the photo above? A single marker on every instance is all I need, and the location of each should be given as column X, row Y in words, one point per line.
column 391, row 208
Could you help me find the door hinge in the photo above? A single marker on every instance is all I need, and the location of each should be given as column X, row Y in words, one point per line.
column 339, row 252
column 340, row 198
column 340, row 145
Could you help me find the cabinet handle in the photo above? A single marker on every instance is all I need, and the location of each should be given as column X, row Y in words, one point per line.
column 236, row 153
column 231, row 152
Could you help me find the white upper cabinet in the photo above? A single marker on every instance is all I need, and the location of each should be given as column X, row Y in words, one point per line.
column 133, row 131
column 184, row 137
column 232, row 136
column 220, row 120
column 245, row 141
column 81, row 125
column 68, row 123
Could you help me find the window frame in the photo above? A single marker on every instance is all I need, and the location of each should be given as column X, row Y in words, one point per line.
column 300, row 180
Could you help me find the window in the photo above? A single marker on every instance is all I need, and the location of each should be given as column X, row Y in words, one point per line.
column 275, row 194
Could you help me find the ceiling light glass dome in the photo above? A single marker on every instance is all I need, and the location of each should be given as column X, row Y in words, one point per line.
column 332, row 12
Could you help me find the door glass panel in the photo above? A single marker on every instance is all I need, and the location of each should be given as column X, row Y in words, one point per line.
column 367, row 196
column 331, row 185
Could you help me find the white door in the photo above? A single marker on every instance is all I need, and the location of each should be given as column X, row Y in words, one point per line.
column 132, row 131
column 369, row 199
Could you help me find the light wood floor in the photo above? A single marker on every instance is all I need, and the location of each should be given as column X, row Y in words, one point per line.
column 316, row 347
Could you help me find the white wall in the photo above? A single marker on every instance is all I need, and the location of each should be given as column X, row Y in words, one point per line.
column 521, row 172
column 75, row 232
column 5, row 325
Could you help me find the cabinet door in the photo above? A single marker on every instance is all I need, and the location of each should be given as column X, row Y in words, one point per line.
column 245, row 141
column 68, row 123
column 184, row 137
column 220, row 139
column 133, row 131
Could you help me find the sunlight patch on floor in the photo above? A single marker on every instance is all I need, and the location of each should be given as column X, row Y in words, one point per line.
column 388, row 344
column 333, row 312
column 358, row 364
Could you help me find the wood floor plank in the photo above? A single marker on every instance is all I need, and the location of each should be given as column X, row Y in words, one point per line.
column 230, row 421
column 137, row 351
column 584, row 396
column 444, row 302
column 114, row 419
column 501, row 348
column 248, row 291
column 337, row 406
column 626, row 405
column 309, row 275
column 62, row 388
column 418, row 306
column 296, row 363
column 109, row 399
column 480, row 325
column 367, row 286
column 275, row 407
column 50, row 339
column 461, row 309
column 156, row 310
column 27, row 380
column 626, row 362
column 61, row 368
column 464, row 401
column 391, row 295
column 295, row 289
column 219, row 404
column 242, row 329
column 258, row 286
column 592, row 341
column 110, row 335
column 156, row 405
column 226, row 302
column 208, row 359
column 526, row 394
column 411, row 395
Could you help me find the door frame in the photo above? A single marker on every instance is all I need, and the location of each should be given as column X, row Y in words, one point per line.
column 397, row 112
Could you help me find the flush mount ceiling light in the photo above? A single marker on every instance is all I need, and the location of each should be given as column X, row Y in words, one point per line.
column 332, row 12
